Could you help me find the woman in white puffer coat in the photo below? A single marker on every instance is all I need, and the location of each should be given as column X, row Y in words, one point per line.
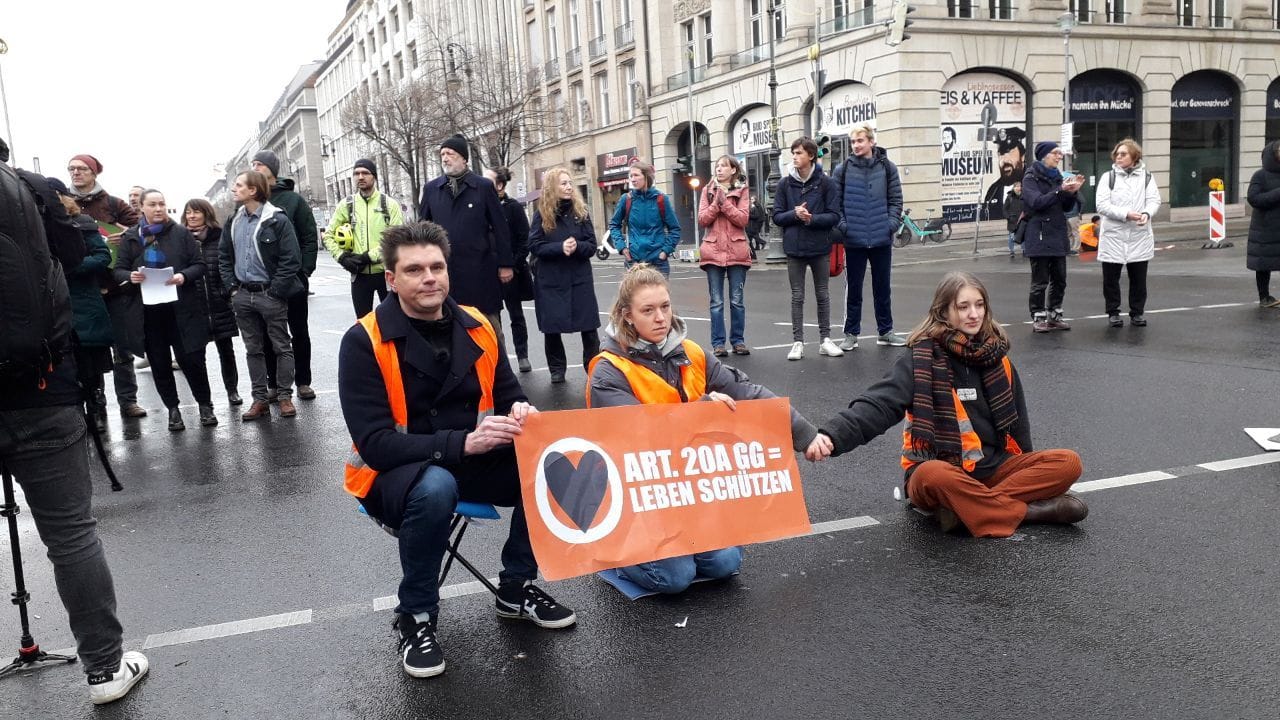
column 1127, row 199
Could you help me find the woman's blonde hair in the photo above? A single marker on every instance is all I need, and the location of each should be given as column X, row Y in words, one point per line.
column 549, row 201
column 1135, row 150
column 639, row 277
column 935, row 325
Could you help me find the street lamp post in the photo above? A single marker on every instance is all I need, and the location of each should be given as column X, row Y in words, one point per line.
column 775, row 174
column 1066, row 22
column 8, row 129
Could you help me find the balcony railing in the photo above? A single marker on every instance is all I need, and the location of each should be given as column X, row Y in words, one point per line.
column 679, row 80
column 750, row 55
column 552, row 70
column 597, row 47
column 573, row 59
column 856, row 19
column 624, row 36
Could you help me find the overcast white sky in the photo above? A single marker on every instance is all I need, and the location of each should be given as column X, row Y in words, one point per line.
column 159, row 91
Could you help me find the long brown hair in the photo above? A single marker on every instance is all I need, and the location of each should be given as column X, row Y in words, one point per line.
column 935, row 324
column 202, row 206
column 739, row 177
column 640, row 276
column 549, row 201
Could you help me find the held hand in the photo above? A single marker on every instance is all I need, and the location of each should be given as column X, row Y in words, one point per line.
column 820, row 449
column 1133, row 216
column 722, row 398
column 570, row 245
column 1143, row 219
column 505, row 274
column 177, row 279
column 136, row 277
column 662, row 256
column 493, row 432
column 626, row 253
column 521, row 411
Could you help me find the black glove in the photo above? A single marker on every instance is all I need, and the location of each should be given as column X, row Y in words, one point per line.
column 350, row 262
column 365, row 262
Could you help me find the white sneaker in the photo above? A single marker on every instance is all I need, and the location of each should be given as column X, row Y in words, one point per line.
column 797, row 351
column 109, row 687
column 850, row 343
column 829, row 348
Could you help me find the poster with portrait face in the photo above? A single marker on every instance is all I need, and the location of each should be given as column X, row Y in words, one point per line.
column 981, row 107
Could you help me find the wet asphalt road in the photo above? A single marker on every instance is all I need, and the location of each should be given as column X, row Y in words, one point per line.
column 1162, row 604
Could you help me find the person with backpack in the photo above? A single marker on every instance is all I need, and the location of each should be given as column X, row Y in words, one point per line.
column 113, row 216
column 42, row 428
column 871, row 211
column 1127, row 198
column 807, row 208
column 652, row 230
column 354, row 233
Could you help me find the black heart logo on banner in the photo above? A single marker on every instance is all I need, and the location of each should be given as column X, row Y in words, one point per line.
column 578, row 490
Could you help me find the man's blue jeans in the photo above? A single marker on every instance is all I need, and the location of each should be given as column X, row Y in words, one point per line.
column 424, row 532
column 674, row 575
column 662, row 266
column 856, row 260
column 737, row 277
column 44, row 449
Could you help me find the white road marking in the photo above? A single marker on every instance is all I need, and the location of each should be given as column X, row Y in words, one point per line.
column 846, row 524
column 1122, row 481
column 1241, row 462
column 221, row 630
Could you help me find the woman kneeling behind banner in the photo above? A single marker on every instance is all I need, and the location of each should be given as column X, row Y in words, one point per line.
column 966, row 447
column 646, row 359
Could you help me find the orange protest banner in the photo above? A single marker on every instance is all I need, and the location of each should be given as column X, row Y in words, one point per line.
column 609, row 487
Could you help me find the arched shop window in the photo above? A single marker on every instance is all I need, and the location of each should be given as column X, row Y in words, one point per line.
column 1204, row 140
column 1105, row 109
column 749, row 141
column 983, row 142
column 1273, row 111
column 843, row 105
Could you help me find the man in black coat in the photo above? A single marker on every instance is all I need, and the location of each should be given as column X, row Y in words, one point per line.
column 520, row 288
column 416, row 456
column 466, row 206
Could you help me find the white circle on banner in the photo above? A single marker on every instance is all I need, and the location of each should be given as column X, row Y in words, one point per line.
column 572, row 535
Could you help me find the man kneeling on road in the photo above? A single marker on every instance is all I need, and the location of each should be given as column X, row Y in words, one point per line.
column 420, row 350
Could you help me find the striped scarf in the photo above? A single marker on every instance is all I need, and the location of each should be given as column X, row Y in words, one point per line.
column 935, row 430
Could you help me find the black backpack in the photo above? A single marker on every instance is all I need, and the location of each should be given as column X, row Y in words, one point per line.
column 35, row 307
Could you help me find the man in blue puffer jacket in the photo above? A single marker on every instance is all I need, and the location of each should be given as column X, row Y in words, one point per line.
column 871, row 205
column 652, row 228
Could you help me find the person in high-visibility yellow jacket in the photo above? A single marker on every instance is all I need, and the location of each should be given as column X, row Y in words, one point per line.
column 354, row 234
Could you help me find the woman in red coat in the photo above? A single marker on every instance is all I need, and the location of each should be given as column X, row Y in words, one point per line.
column 725, row 211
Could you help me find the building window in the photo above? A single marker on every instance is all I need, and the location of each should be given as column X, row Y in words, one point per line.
column 1186, row 12
column 360, row 47
column 579, row 107
column 399, row 66
column 624, row 12
column 1116, row 13
column 535, row 42
column 413, row 56
column 629, row 89
column 1000, row 9
column 395, row 20
column 382, row 31
column 553, row 35
column 408, row 11
column 1218, row 17
column 557, row 117
column 373, row 47
column 779, row 19
column 597, row 17
column 686, row 31
column 575, row 35
column 707, row 53
column 962, row 8
column 602, row 100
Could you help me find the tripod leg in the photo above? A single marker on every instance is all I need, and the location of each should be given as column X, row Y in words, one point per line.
column 30, row 656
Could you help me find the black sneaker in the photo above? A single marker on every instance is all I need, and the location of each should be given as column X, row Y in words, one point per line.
column 420, row 654
column 527, row 602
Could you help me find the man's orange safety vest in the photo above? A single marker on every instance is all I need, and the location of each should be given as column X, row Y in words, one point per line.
column 359, row 477
column 649, row 387
column 970, row 443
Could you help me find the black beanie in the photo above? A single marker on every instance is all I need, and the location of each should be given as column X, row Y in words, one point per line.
column 268, row 158
column 367, row 164
column 458, row 144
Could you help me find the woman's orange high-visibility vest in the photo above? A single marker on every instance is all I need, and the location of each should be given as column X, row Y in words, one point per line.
column 359, row 477
column 649, row 387
column 970, row 443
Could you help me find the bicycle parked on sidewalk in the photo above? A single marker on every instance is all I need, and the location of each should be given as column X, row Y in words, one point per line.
column 935, row 229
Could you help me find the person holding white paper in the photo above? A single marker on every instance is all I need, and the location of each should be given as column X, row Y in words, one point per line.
column 159, row 243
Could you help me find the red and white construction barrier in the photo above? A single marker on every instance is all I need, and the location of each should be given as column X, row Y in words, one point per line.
column 1217, row 221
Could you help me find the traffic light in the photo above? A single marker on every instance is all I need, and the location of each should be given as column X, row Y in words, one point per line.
column 824, row 145
column 694, row 182
column 684, row 164
column 899, row 22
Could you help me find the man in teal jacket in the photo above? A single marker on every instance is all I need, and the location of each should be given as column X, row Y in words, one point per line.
column 652, row 228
